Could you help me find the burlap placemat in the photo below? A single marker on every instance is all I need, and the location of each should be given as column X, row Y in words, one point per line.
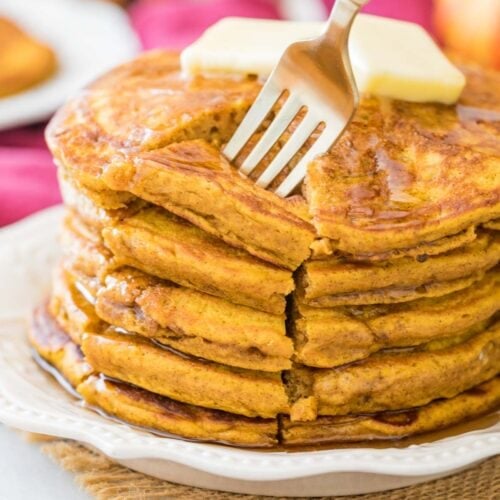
column 106, row 480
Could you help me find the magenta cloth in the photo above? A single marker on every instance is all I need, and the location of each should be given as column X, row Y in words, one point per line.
column 416, row 11
column 177, row 23
column 27, row 174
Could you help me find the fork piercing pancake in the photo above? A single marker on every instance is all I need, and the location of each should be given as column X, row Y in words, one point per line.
column 161, row 414
column 188, row 300
column 24, row 61
column 402, row 174
column 219, row 200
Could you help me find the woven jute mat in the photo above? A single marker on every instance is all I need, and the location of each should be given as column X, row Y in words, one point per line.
column 105, row 480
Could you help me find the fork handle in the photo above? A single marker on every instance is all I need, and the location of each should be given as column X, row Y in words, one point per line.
column 340, row 21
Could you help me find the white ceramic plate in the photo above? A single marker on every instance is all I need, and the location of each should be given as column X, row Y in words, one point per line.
column 31, row 401
column 89, row 37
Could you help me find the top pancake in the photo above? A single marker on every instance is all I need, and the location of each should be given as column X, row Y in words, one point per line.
column 402, row 174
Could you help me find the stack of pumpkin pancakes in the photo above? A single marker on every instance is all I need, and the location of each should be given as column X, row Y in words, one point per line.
column 192, row 302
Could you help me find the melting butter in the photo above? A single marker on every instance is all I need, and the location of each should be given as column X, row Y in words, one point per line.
column 390, row 58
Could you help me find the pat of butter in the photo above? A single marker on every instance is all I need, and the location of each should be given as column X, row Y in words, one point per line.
column 390, row 58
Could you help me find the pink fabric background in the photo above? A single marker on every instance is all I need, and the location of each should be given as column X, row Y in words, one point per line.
column 27, row 174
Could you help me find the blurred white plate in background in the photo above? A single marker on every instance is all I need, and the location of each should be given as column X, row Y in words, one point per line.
column 89, row 38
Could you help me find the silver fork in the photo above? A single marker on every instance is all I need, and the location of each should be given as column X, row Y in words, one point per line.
column 318, row 77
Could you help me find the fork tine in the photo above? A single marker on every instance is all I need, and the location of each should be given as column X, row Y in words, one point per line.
column 296, row 141
column 280, row 123
column 268, row 96
column 322, row 145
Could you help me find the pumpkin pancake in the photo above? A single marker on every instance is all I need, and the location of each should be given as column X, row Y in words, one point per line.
column 330, row 337
column 24, row 61
column 163, row 415
column 397, row 380
column 163, row 245
column 332, row 282
column 190, row 380
column 367, row 195
column 194, row 322
column 437, row 415
column 405, row 173
column 323, row 248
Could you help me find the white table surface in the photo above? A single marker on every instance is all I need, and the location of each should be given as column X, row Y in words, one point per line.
column 27, row 474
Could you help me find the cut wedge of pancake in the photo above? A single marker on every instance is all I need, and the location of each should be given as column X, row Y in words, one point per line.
column 406, row 173
column 398, row 380
column 330, row 337
column 165, row 246
column 437, row 415
column 194, row 322
column 219, row 200
column 332, row 282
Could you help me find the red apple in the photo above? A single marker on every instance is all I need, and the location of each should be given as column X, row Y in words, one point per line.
column 470, row 28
